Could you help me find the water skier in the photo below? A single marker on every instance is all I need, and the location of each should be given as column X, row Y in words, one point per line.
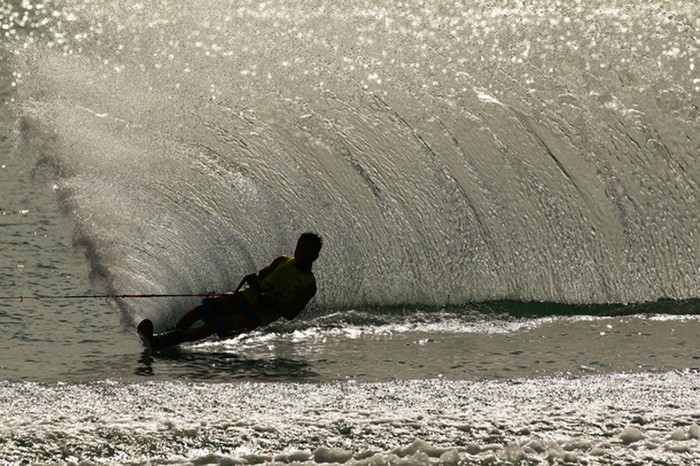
column 282, row 289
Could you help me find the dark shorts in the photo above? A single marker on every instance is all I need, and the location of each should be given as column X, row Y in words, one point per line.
column 226, row 310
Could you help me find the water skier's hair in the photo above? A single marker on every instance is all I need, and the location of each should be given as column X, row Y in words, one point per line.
column 313, row 239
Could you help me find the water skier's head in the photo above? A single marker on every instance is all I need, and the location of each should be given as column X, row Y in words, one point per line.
column 308, row 248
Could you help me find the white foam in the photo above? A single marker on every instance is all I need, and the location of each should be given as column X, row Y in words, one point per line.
column 415, row 422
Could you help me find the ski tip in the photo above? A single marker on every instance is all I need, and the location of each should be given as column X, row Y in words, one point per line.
column 145, row 331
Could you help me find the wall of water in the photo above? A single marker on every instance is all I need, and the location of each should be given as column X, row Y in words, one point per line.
column 448, row 152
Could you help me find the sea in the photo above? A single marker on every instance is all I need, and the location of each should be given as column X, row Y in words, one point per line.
column 508, row 193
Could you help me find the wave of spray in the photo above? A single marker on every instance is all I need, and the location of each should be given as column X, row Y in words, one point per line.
column 447, row 154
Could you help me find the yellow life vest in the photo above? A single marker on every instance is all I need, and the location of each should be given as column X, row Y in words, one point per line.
column 277, row 290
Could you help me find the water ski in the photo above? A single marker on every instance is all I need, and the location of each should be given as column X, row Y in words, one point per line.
column 160, row 341
column 145, row 331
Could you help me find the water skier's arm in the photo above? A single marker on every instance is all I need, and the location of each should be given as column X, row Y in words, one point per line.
column 255, row 278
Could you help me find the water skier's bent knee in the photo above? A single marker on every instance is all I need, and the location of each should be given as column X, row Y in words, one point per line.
column 230, row 313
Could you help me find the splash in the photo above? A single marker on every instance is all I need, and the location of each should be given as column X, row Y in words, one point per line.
column 447, row 155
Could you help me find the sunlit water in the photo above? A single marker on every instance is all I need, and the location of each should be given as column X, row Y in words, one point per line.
column 460, row 160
